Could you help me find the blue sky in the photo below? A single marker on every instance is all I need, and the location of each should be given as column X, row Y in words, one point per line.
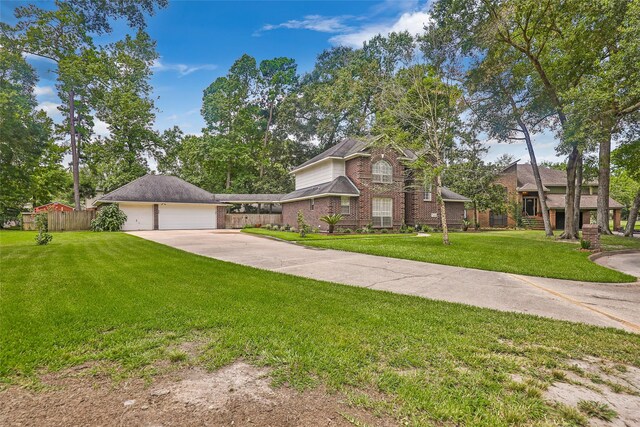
column 198, row 41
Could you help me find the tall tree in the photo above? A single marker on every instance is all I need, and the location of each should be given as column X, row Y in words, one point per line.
column 65, row 34
column 423, row 113
column 627, row 158
column 560, row 42
column 471, row 176
column 27, row 149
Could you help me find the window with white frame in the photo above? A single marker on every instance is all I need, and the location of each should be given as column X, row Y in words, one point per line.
column 345, row 205
column 382, row 172
column 382, row 212
column 428, row 192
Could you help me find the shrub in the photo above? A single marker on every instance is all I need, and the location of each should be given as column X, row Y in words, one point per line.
column 384, row 231
column 410, row 230
column 286, row 227
column 258, row 225
column 465, row 224
column 276, row 228
column 331, row 220
column 302, row 225
column 42, row 223
column 427, row 229
column 43, row 238
column 109, row 218
column 347, row 231
column 418, row 227
column 585, row 244
column 359, row 230
column 267, row 226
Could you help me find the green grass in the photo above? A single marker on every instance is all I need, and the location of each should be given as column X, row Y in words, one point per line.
column 129, row 304
column 519, row 252
column 623, row 224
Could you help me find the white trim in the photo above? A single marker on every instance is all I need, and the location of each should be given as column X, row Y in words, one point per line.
column 317, row 196
column 315, row 163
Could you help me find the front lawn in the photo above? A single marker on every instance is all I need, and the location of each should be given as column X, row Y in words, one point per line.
column 128, row 304
column 519, row 252
column 295, row 237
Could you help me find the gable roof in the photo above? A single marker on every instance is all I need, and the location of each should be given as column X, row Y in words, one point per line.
column 348, row 147
column 159, row 189
column 341, row 186
column 550, row 177
column 450, row 196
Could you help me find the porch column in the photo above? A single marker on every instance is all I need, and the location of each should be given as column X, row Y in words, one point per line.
column 552, row 218
column 617, row 213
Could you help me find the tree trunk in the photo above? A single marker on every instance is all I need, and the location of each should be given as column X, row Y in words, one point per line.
column 633, row 216
column 475, row 216
column 443, row 210
column 228, row 183
column 75, row 161
column 569, row 202
column 536, row 173
column 265, row 142
column 576, row 202
column 604, row 176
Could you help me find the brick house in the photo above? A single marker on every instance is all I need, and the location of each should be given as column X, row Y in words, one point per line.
column 367, row 185
column 520, row 185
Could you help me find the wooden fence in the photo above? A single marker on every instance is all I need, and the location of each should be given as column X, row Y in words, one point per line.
column 61, row 221
column 239, row 220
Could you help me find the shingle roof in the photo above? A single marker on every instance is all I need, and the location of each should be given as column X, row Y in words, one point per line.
column 529, row 186
column 549, row 177
column 348, row 147
column 159, row 189
column 449, row 195
column 589, row 201
column 249, row 198
column 341, row 186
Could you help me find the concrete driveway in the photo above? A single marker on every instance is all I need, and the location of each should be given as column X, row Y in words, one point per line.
column 613, row 305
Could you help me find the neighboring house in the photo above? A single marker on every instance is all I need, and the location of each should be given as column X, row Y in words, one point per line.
column 158, row 202
column 53, row 207
column 367, row 185
column 520, row 184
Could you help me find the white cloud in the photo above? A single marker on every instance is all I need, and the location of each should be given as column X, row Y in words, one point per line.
column 101, row 128
column 182, row 69
column 43, row 91
column 51, row 108
column 322, row 24
column 413, row 22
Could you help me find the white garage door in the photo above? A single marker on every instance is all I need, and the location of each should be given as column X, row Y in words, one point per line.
column 139, row 216
column 185, row 217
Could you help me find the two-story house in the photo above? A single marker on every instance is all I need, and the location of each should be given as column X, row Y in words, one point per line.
column 367, row 184
column 520, row 184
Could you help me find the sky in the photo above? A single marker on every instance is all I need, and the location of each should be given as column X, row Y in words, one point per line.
column 199, row 40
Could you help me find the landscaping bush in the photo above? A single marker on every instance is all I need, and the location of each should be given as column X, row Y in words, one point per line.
column 302, row 225
column 286, row 227
column 359, row 230
column 42, row 224
column 347, row 231
column 109, row 218
column 585, row 244
column 465, row 224
column 276, row 228
column 43, row 238
column 410, row 230
column 267, row 227
column 331, row 220
column 384, row 231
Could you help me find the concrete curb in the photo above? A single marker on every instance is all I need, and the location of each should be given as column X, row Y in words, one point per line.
column 598, row 255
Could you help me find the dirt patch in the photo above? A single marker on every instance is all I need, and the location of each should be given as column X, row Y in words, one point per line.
column 239, row 394
column 617, row 386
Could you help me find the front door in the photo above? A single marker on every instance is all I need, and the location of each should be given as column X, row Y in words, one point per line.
column 530, row 206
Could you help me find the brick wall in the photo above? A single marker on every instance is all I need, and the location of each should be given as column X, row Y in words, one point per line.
column 359, row 170
column 322, row 206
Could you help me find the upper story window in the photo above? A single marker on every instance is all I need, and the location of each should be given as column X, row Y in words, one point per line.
column 428, row 193
column 382, row 172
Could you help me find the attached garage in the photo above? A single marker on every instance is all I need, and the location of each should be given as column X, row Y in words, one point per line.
column 160, row 202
